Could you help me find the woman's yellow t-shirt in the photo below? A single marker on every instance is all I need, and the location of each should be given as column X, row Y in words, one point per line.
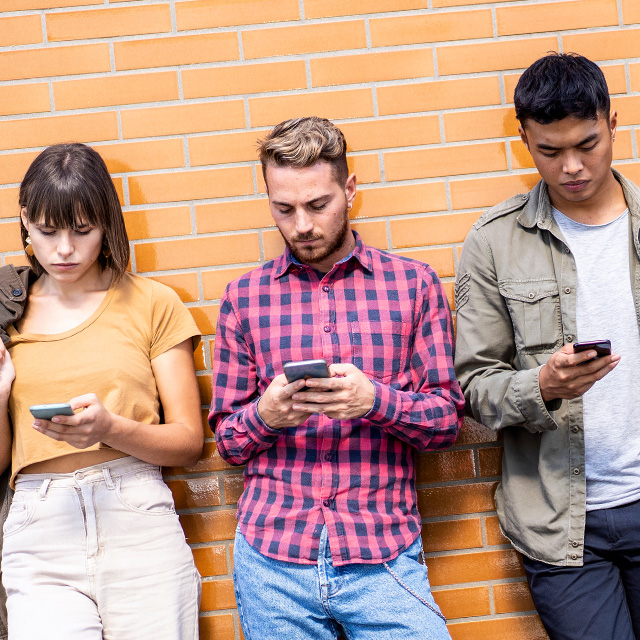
column 109, row 354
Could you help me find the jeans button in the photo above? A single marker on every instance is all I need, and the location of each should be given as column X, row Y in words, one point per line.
column 326, row 503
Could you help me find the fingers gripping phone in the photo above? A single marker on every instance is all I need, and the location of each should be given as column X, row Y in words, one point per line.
column 601, row 347
column 306, row 369
column 47, row 411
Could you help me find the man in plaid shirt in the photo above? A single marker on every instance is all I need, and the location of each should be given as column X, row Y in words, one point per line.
column 329, row 531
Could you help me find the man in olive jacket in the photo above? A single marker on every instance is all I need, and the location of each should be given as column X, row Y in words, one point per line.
column 539, row 273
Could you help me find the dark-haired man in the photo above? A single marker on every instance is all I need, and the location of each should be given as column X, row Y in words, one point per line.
column 537, row 274
column 329, row 530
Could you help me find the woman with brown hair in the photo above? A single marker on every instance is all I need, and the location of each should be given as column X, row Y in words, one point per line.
column 92, row 545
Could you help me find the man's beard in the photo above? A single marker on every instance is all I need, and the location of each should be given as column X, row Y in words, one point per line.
column 314, row 255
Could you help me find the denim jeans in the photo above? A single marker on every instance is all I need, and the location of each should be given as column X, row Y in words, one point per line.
column 387, row 601
column 98, row 553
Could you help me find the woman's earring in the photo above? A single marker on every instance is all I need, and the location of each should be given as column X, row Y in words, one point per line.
column 106, row 252
column 28, row 248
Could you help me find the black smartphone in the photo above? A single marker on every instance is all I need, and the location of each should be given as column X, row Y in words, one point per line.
column 305, row 369
column 47, row 411
column 601, row 347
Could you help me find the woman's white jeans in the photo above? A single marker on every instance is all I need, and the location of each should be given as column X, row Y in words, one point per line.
column 98, row 553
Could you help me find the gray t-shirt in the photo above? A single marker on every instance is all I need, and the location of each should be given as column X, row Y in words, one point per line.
column 605, row 309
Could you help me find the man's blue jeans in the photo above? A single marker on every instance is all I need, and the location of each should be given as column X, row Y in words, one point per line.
column 387, row 601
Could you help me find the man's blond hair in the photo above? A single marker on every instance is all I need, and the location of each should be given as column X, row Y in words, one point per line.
column 301, row 142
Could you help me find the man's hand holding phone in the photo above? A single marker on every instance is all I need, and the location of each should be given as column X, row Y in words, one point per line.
column 570, row 372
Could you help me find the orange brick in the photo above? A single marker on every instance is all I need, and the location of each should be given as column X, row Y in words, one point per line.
column 195, row 493
column 605, row 45
column 493, row 56
column 190, row 185
column 10, row 237
column 54, row 61
column 199, row 356
column 431, row 27
column 430, row 230
column 184, row 284
column 186, row 118
column 630, row 171
column 456, row 3
column 215, row 282
column 20, row 30
column 24, row 5
column 335, row 105
column 204, row 14
column 463, row 603
column 448, row 291
column 18, row 99
column 517, row 628
column 440, row 260
column 142, row 156
column 211, row 561
column 244, row 79
column 628, row 109
column 443, row 466
column 308, row 38
column 211, row 526
column 197, row 252
column 439, row 94
column 272, row 244
column 372, row 67
column 117, row 183
column 176, row 50
column 391, row 201
column 556, row 16
column 490, row 462
column 204, row 387
column 475, row 125
column 112, row 90
column 630, row 12
column 233, row 487
column 158, row 223
column 457, row 499
column 332, row 8
column 485, row 192
column 13, row 166
column 206, row 318
column 366, row 167
column 445, row 161
column 512, row 597
column 19, row 260
column 391, row 132
column 233, row 216
column 224, row 148
column 210, row 461
column 108, row 23
column 217, row 594
column 220, row 627
column 494, row 535
column 452, row 534
column 474, row 567
column 40, row 132
column 373, row 233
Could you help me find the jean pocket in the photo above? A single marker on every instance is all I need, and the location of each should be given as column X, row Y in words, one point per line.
column 145, row 492
column 21, row 512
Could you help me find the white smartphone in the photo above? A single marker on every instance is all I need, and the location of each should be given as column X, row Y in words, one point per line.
column 47, row 411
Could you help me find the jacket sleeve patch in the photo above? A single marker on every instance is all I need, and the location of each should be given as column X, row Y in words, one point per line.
column 461, row 290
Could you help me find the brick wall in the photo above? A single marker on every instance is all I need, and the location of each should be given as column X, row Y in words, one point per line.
column 173, row 94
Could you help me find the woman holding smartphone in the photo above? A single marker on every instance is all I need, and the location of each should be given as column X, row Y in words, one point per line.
column 92, row 545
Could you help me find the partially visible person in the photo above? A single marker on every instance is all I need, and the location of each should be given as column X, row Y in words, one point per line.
column 329, row 533
column 538, row 273
column 92, row 545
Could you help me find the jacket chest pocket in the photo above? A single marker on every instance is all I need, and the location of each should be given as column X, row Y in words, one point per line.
column 380, row 349
column 534, row 307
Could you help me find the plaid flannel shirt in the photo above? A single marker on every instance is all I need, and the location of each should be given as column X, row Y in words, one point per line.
column 388, row 316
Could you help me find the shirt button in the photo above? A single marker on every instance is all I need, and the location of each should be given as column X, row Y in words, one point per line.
column 567, row 290
column 532, row 295
column 567, row 250
column 575, row 429
column 325, row 289
column 328, row 456
column 327, row 329
column 16, row 292
column 569, row 338
column 575, row 543
column 80, row 475
column 326, row 503
column 574, row 556
column 576, row 471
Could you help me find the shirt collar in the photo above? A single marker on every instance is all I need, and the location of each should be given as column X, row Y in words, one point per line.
column 361, row 253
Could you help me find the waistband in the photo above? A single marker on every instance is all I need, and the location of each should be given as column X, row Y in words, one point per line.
column 102, row 472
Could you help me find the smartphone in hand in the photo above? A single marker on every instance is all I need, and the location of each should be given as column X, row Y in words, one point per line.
column 47, row 411
column 306, row 369
column 601, row 347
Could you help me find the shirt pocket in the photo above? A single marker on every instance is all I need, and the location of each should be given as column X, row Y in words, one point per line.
column 380, row 349
column 534, row 306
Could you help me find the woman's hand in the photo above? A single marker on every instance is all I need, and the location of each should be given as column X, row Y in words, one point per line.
column 91, row 425
column 7, row 372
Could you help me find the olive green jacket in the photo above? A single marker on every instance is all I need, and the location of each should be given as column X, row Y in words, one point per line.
column 516, row 304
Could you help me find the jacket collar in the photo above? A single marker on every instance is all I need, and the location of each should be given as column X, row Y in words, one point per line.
column 287, row 262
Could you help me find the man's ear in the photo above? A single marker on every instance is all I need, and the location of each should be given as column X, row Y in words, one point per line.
column 523, row 137
column 350, row 189
column 613, row 123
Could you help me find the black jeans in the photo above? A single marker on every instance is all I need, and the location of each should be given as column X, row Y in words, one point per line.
column 601, row 599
